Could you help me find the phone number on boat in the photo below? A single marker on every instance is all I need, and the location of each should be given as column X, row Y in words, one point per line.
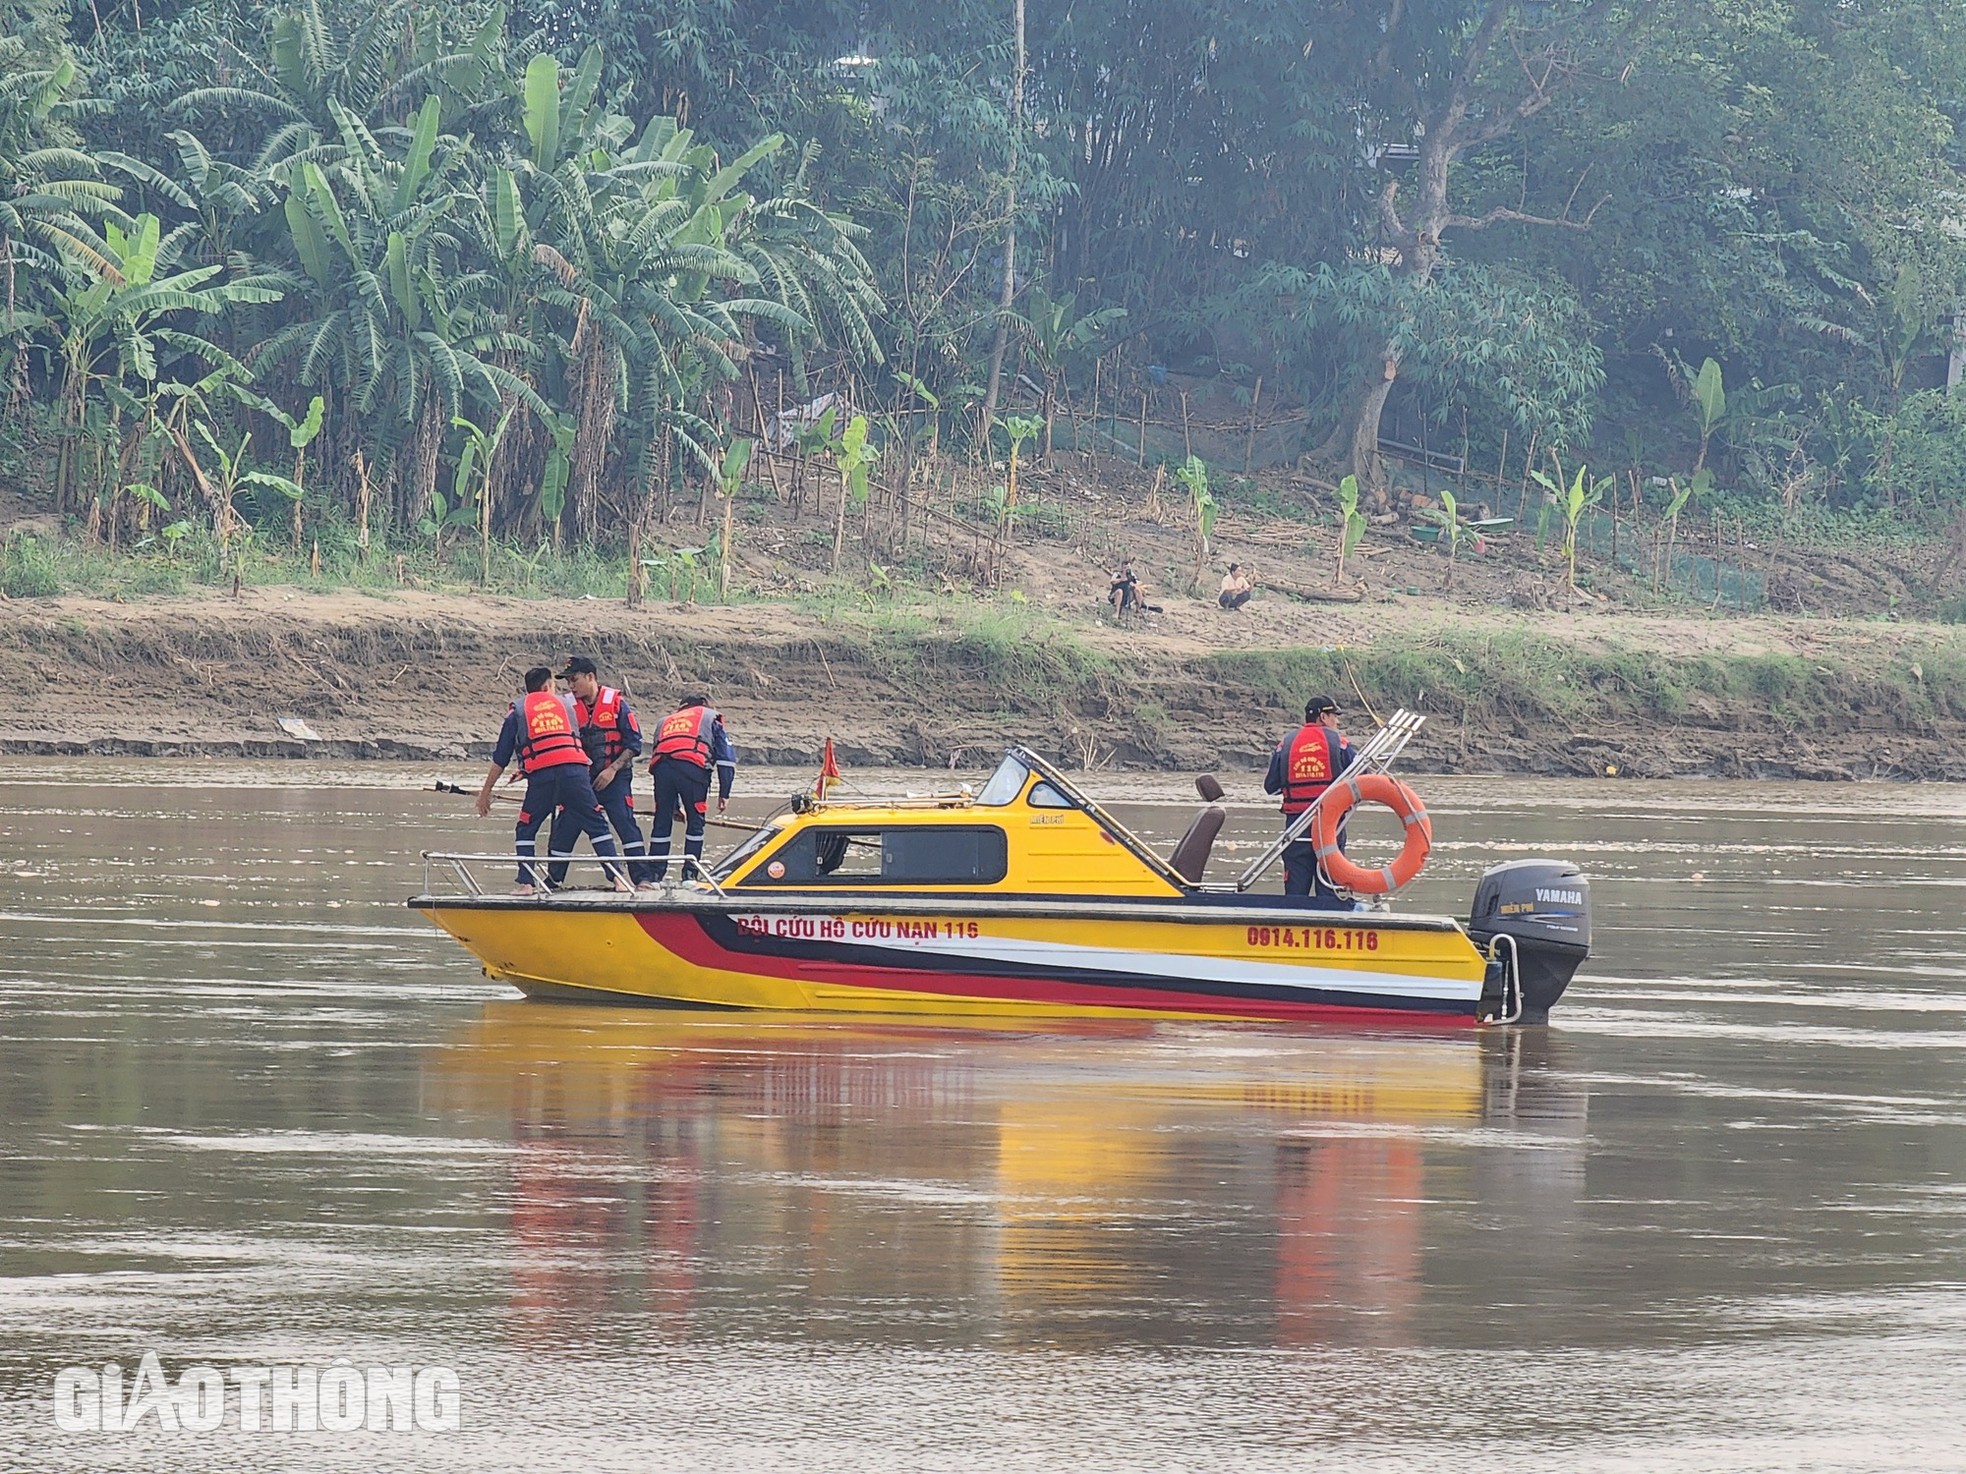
column 1316, row 938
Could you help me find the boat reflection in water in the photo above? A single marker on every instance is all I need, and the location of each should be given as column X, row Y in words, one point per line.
column 951, row 1181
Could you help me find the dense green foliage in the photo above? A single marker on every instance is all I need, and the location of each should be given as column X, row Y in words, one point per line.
column 473, row 272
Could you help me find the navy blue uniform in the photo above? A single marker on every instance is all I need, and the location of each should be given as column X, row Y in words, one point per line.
column 1301, row 876
column 617, row 798
column 563, row 787
column 680, row 783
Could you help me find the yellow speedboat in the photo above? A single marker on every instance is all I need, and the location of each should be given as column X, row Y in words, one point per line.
column 1025, row 899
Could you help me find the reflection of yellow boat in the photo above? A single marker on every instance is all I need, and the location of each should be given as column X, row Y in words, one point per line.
column 1053, row 1175
column 1024, row 900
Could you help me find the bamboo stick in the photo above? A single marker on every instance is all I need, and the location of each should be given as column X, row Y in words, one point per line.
column 1249, row 445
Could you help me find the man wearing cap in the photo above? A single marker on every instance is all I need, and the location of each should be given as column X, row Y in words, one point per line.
column 539, row 730
column 612, row 738
column 1301, row 768
column 689, row 744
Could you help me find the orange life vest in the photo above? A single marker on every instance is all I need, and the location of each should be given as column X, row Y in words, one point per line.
column 1310, row 763
column 546, row 736
column 686, row 735
column 604, row 716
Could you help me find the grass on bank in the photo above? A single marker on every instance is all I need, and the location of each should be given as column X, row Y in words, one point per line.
column 36, row 566
column 936, row 653
column 1517, row 677
column 1026, row 660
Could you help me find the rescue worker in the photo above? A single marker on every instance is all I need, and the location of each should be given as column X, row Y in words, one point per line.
column 690, row 742
column 612, row 738
column 540, row 732
column 1301, row 768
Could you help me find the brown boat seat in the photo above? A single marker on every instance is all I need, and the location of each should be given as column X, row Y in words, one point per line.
column 1190, row 857
column 1209, row 787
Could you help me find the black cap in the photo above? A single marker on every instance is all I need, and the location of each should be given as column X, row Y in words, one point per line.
column 1317, row 706
column 580, row 665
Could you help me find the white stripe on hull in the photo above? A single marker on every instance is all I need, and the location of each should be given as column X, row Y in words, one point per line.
column 1177, row 967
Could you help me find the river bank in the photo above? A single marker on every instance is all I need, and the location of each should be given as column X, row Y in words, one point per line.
column 946, row 683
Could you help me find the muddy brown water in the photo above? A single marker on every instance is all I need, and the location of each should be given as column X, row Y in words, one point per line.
column 256, row 1112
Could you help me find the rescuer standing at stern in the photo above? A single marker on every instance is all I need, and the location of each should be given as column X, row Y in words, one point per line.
column 688, row 744
column 1301, row 768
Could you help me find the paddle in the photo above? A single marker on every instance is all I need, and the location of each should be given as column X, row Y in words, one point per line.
column 503, row 798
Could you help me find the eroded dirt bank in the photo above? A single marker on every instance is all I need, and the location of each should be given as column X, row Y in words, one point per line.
column 429, row 675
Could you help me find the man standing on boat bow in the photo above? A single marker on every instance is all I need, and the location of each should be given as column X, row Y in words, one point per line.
column 690, row 743
column 540, row 731
column 1301, row 768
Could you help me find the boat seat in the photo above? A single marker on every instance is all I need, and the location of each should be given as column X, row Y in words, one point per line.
column 1190, row 857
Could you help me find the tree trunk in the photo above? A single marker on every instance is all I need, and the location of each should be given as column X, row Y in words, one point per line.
column 1007, row 291
column 839, row 526
column 1363, row 430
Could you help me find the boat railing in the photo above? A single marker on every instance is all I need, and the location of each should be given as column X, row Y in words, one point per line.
column 459, row 863
column 1374, row 755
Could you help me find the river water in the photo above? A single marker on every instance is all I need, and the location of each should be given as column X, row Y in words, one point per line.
column 257, row 1113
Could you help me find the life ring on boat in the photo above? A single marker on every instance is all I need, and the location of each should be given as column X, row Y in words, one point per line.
column 1346, row 795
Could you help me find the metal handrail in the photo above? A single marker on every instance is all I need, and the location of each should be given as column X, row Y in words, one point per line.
column 1374, row 755
column 461, row 861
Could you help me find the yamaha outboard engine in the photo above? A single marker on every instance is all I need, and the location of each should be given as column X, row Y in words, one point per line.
column 1542, row 911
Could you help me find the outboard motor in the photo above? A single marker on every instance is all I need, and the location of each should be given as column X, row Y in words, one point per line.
column 1542, row 908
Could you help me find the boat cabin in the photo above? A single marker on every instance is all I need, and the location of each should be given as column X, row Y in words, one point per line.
column 1027, row 831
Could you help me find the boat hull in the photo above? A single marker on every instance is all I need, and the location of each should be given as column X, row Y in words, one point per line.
column 1039, row 960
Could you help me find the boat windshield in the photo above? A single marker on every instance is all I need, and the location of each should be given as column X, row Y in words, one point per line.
column 1004, row 785
column 730, row 863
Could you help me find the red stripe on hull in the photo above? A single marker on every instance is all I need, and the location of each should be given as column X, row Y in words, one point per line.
column 685, row 937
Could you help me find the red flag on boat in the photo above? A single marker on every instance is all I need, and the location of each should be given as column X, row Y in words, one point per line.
column 829, row 771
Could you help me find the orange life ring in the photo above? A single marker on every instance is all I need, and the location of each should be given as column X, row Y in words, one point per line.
column 1346, row 795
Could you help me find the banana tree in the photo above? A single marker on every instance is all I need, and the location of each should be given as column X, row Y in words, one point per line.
column 1351, row 523
column 301, row 433
column 221, row 473
column 473, row 484
column 730, row 478
column 1709, row 403
column 851, row 456
column 1700, row 485
column 112, row 325
column 649, row 297
column 1022, row 429
column 1573, row 501
column 1193, row 475
column 398, row 326
column 48, row 192
column 1449, row 518
column 1056, row 336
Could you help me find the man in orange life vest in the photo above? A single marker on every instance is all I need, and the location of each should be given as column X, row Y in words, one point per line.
column 612, row 738
column 539, row 730
column 1301, row 768
column 688, row 744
